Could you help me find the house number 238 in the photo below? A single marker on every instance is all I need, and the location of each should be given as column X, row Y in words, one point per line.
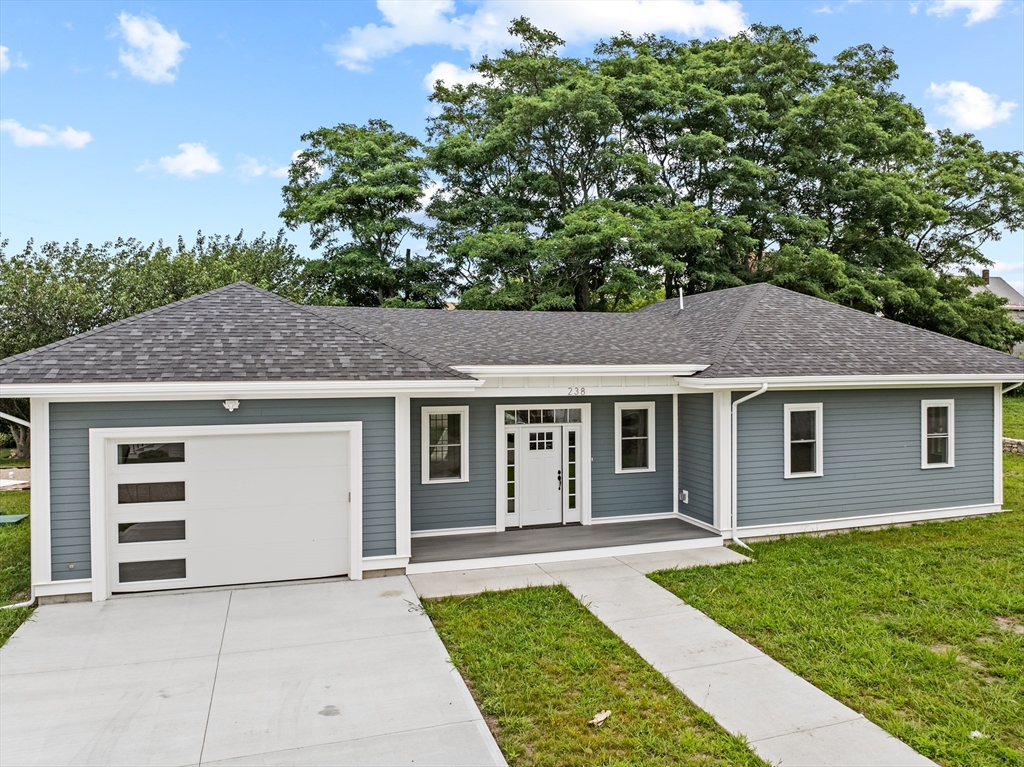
column 577, row 391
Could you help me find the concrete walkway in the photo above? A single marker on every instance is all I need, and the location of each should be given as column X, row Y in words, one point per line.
column 786, row 720
column 329, row 673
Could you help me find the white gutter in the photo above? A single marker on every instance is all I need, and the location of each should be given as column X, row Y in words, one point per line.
column 1008, row 389
column 15, row 420
column 843, row 382
column 733, row 513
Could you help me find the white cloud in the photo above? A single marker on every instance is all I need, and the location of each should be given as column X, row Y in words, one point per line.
column 6, row 62
column 192, row 160
column 977, row 10
column 969, row 107
column 450, row 75
column 251, row 168
column 417, row 22
column 152, row 51
column 69, row 138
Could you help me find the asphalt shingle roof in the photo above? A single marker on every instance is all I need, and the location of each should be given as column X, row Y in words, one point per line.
column 235, row 333
column 242, row 333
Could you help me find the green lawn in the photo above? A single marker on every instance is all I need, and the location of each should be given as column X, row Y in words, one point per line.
column 541, row 666
column 11, row 463
column 15, row 580
column 921, row 629
column 1013, row 417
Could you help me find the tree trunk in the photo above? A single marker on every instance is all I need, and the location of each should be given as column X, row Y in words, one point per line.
column 22, row 440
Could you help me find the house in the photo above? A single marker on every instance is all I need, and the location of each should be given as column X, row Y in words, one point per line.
column 1014, row 300
column 237, row 437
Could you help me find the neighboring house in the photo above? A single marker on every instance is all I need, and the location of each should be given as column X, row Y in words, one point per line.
column 1014, row 300
column 237, row 437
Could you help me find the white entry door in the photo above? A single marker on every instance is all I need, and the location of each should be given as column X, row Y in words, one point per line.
column 542, row 476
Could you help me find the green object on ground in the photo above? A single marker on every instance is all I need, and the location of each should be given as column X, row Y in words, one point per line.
column 15, row 559
column 11, row 519
column 921, row 629
column 541, row 667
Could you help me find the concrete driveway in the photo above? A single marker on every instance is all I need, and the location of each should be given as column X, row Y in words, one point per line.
column 338, row 673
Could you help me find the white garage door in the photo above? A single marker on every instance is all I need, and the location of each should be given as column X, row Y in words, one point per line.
column 226, row 509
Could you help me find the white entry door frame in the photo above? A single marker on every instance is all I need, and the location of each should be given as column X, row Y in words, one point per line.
column 515, row 466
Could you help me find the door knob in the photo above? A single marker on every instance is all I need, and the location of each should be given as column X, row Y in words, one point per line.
column 559, row 479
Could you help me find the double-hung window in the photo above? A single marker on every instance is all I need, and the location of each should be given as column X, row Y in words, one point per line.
column 936, row 433
column 803, row 437
column 445, row 438
column 634, row 437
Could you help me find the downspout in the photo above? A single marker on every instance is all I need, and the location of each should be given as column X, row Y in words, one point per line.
column 733, row 513
column 1011, row 387
column 30, row 602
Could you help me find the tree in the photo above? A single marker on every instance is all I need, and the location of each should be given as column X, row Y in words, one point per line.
column 57, row 291
column 357, row 187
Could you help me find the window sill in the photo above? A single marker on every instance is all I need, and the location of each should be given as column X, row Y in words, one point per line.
column 635, row 471
column 443, row 481
column 804, row 475
column 938, row 466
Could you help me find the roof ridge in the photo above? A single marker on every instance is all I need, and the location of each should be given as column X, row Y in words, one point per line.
column 124, row 321
column 740, row 322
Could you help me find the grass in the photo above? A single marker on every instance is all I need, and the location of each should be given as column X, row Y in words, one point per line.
column 541, row 666
column 1013, row 417
column 15, row 579
column 921, row 629
column 11, row 463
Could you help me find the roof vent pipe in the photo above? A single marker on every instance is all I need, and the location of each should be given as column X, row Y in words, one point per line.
column 984, row 275
column 680, row 299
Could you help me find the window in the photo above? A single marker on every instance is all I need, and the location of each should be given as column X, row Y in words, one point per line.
column 445, row 434
column 146, row 532
column 568, row 415
column 166, row 452
column 634, row 437
column 936, row 434
column 510, row 468
column 154, row 570
column 803, row 428
column 150, row 492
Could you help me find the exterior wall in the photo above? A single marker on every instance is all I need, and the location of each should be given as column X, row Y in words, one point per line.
column 872, row 456
column 697, row 456
column 472, row 503
column 69, row 459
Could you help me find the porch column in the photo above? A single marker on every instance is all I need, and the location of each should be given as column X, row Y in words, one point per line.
column 403, row 477
column 39, row 519
column 723, row 461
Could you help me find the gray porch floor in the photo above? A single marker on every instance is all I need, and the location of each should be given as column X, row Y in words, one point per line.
column 545, row 539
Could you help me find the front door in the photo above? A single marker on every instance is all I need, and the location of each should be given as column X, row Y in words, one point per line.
column 542, row 476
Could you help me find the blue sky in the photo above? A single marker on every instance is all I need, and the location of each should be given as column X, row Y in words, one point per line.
column 158, row 119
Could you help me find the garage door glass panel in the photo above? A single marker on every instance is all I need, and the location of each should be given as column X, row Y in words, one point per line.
column 153, row 570
column 145, row 532
column 162, row 452
column 150, row 492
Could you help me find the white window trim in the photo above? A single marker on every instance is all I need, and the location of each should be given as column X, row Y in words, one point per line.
column 925, row 404
column 819, row 431
column 651, row 444
column 425, row 413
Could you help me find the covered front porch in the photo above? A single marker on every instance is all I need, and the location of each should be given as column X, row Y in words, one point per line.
column 443, row 553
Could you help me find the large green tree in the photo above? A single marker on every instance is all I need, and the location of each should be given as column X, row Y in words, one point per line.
column 358, row 189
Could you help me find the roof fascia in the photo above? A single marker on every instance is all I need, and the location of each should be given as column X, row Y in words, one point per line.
column 847, row 382
column 528, row 371
column 158, row 390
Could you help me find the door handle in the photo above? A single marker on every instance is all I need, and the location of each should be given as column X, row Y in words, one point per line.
column 559, row 479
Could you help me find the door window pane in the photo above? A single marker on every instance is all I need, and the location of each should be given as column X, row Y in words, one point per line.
column 163, row 452
column 150, row 492
column 155, row 570
column 144, row 532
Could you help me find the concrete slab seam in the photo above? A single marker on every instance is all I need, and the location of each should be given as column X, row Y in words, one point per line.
column 213, row 686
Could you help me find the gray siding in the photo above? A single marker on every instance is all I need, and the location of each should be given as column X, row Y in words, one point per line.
column 69, row 459
column 697, row 455
column 472, row 503
column 872, row 456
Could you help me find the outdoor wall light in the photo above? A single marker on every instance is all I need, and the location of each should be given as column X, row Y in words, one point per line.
column 231, row 405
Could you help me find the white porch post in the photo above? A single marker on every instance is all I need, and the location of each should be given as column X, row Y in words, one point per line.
column 40, row 501
column 403, row 476
column 723, row 461
column 675, row 453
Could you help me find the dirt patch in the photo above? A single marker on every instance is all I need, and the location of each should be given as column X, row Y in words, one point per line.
column 1004, row 623
column 943, row 649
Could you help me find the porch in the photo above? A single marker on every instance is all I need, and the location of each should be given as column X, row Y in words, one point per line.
column 562, row 542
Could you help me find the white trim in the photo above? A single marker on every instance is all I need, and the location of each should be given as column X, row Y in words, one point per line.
column 15, row 419
column 675, row 453
column 500, row 469
column 240, row 390
column 58, row 588
column 950, row 438
column 97, row 481
column 455, row 531
column 711, row 542
column 698, row 523
column 651, row 442
column 843, row 382
column 895, row 518
column 819, row 431
column 403, row 475
column 633, row 518
column 425, row 412
column 722, row 466
column 384, row 563
column 997, row 463
column 39, row 505
column 529, row 371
